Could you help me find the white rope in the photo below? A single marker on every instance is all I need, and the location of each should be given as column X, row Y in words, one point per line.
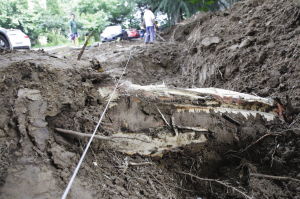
column 94, row 133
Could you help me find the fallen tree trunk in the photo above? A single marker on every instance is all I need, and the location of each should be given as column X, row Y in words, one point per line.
column 171, row 118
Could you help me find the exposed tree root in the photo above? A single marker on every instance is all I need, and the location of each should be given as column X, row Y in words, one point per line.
column 259, row 140
column 218, row 182
column 267, row 135
column 258, row 175
column 84, row 135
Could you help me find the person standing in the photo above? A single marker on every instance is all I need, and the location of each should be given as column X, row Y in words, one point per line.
column 73, row 29
column 149, row 20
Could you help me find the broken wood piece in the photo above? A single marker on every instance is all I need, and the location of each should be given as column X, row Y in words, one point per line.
column 84, row 135
column 160, row 37
column 258, row 175
column 84, row 46
column 192, row 128
column 163, row 117
column 174, row 126
column 139, row 163
column 230, row 119
column 135, row 164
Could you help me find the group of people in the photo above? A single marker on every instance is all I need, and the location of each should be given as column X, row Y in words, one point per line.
column 148, row 23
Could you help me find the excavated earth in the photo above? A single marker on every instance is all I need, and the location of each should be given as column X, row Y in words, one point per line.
column 163, row 124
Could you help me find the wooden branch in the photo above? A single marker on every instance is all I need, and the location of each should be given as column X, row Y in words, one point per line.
column 258, row 140
column 174, row 126
column 84, row 135
column 162, row 116
column 84, row 46
column 160, row 37
column 258, row 175
column 220, row 73
column 135, row 164
column 139, row 163
column 218, row 182
column 192, row 128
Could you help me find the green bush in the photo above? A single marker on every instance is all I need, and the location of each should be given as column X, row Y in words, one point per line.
column 56, row 39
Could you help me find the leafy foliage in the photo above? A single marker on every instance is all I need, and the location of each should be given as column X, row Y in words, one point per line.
column 96, row 14
column 116, row 11
column 178, row 10
column 39, row 21
column 50, row 17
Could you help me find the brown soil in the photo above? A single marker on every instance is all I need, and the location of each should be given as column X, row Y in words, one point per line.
column 259, row 44
column 252, row 48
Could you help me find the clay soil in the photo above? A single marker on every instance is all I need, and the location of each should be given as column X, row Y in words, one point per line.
column 254, row 48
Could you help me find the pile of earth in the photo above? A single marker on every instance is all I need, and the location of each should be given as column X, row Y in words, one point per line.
column 41, row 92
column 252, row 48
column 149, row 64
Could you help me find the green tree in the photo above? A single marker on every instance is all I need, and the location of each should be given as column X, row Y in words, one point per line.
column 96, row 14
column 50, row 17
column 116, row 10
column 178, row 10
column 30, row 17
column 53, row 6
column 175, row 9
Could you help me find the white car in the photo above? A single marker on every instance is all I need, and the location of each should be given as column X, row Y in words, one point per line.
column 112, row 33
column 13, row 39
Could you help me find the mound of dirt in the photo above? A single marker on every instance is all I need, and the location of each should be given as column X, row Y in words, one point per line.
column 41, row 92
column 149, row 64
column 252, row 48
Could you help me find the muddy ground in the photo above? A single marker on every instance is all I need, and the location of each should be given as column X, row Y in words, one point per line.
column 252, row 48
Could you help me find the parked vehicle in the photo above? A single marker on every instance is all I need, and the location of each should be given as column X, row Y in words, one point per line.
column 14, row 39
column 142, row 33
column 112, row 33
column 133, row 33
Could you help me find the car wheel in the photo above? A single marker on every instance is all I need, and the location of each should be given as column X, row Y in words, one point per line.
column 124, row 36
column 4, row 44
